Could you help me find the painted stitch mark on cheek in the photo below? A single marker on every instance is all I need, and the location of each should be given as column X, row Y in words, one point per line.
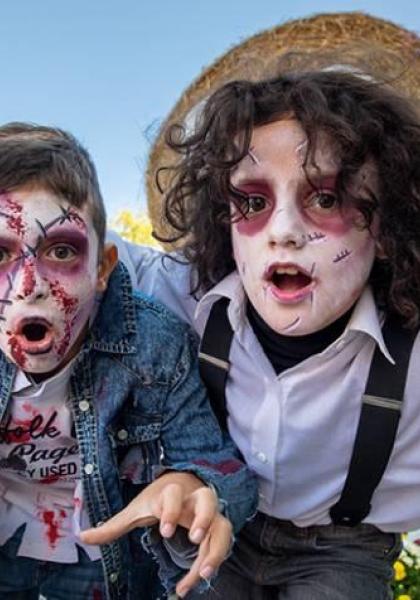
column 315, row 236
column 342, row 255
column 64, row 344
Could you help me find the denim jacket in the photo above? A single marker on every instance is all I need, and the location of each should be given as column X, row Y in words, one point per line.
column 136, row 396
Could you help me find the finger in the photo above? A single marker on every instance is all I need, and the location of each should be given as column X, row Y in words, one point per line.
column 220, row 543
column 120, row 524
column 213, row 551
column 191, row 579
column 170, row 509
column 204, row 508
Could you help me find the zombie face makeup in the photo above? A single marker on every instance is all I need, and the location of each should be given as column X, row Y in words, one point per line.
column 48, row 278
column 303, row 259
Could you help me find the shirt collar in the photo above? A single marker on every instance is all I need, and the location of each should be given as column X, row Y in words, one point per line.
column 365, row 317
column 23, row 384
column 230, row 287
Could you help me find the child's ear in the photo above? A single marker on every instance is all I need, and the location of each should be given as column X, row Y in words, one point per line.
column 106, row 266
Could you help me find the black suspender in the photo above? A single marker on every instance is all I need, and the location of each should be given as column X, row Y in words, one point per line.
column 378, row 424
column 214, row 357
column 379, row 417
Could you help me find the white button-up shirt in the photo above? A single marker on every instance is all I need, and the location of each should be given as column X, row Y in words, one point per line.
column 296, row 430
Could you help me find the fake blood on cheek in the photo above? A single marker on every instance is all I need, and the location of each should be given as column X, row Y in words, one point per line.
column 68, row 303
column 17, row 351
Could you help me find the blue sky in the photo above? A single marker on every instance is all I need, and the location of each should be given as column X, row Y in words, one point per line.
column 109, row 70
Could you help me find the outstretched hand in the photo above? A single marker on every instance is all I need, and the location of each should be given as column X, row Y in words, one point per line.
column 175, row 499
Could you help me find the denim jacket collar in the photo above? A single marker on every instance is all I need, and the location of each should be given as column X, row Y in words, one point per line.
column 114, row 328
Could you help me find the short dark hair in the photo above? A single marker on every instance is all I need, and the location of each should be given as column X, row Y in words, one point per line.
column 54, row 160
column 363, row 119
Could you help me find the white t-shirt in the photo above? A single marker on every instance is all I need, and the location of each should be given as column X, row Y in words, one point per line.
column 40, row 483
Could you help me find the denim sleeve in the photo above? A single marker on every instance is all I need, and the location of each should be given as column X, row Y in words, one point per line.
column 192, row 440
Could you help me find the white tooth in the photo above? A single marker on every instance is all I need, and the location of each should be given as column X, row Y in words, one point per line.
column 287, row 271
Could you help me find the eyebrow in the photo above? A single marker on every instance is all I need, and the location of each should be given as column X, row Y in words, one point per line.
column 66, row 233
column 9, row 240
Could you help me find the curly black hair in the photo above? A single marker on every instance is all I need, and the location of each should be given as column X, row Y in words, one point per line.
column 365, row 121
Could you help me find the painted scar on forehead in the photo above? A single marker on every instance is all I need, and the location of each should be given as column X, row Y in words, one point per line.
column 315, row 236
column 342, row 255
column 13, row 215
column 301, row 151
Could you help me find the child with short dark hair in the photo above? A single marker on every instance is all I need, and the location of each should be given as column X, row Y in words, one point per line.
column 99, row 395
column 297, row 200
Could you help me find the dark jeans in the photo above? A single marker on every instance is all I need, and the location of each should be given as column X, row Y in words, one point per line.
column 24, row 578
column 275, row 560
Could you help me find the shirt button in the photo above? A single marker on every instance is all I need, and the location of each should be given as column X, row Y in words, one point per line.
column 261, row 457
column 88, row 469
column 84, row 405
column 122, row 434
column 113, row 577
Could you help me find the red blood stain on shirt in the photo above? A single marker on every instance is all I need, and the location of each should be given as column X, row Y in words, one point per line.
column 49, row 479
column 52, row 524
column 17, row 352
column 19, row 431
column 67, row 302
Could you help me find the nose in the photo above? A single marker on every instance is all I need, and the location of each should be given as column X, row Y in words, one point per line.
column 286, row 227
column 29, row 285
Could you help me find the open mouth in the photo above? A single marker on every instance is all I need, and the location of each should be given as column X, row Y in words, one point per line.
column 289, row 283
column 35, row 336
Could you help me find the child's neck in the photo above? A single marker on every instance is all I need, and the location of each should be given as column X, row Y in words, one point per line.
column 284, row 351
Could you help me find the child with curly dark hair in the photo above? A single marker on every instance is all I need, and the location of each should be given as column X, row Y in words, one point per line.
column 297, row 200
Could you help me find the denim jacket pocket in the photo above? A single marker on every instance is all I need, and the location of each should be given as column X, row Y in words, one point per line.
column 136, row 439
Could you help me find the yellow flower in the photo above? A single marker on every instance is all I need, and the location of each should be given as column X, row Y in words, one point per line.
column 404, row 597
column 399, row 574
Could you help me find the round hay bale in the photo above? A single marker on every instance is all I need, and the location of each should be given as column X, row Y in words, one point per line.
column 382, row 48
